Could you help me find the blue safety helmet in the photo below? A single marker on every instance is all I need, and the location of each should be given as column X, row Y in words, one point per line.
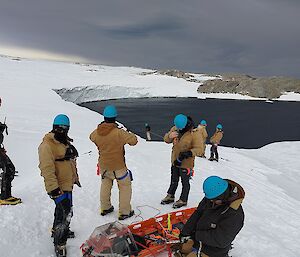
column 180, row 121
column 203, row 122
column 214, row 186
column 219, row 126
column 61, row 120
column 110, row 111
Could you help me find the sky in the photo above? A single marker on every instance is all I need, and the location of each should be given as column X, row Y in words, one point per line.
column 255, row 37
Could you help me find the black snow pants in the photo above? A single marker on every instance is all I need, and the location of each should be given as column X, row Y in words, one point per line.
column 62, row 218
column 7, row 175
column 185, row 176
column 214, row 152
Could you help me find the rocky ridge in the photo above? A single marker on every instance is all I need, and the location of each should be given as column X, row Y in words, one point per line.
column 260, row 87
column 263, row 87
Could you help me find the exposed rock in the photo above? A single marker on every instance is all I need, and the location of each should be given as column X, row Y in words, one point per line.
column 176, row 73
column 270, row 88
column 172, row 73
column 147, row 73
column 193, row 80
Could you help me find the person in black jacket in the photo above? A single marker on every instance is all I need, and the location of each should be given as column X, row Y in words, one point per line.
column 7, row 172
column 217, row 220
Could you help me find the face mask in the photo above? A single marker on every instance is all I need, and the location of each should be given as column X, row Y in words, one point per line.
column 61, row 134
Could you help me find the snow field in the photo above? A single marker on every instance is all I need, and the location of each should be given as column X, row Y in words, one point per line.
column 270, row 175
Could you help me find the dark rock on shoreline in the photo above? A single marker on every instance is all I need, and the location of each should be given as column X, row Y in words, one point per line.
column 272, row 87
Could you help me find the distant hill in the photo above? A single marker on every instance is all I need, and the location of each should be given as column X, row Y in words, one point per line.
column 263, row 87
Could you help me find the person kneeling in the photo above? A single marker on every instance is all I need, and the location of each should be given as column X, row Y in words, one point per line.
column 217, row 220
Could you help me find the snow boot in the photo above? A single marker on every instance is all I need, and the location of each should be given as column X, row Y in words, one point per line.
column 126, row 216
column 105, row 212
column 211, row 159
column 60, row 250
column 168, row 199
column 10, row 201
column 179, row 204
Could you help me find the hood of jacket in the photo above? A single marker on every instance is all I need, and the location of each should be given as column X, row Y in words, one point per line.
column 237, row 195
column 49, row 137
column 234, row 199
column 105, row 128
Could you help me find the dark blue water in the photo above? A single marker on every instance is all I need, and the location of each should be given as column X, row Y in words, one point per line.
column 247, row 124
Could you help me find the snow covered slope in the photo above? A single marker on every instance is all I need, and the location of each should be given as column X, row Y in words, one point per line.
column 270, row 175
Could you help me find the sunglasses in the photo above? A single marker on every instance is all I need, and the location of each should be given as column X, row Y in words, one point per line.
column 62, row 128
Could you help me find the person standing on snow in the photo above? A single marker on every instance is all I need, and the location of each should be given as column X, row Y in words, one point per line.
column 110, row 141
column 57, row 162
column 7, row 171
column 215, row 141
column 148, row 132
column 186, row 145
column 202, row 131
column 217, row 220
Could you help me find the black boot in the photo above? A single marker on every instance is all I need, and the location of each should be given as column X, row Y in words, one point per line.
column 126, row 216
column 105, row 212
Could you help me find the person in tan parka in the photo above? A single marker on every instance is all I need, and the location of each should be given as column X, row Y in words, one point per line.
column 215, row 141
column 203, row 133
column 186, row 145
column 110, row 141
column 57, row 162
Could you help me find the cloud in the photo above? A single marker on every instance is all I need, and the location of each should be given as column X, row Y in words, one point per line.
column 250, row 36
column 159, row 28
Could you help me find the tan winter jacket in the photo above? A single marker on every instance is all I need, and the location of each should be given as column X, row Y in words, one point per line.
column 202, row 131
column 216, row 138
column 189, row 141
column 56, row 174
column 110, row 141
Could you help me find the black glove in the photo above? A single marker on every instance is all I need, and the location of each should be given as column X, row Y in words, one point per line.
column 55, row 193
column 185, row 155
column 177, row 163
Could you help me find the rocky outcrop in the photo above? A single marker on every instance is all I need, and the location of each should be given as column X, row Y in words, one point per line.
column 171, row 73
column 272, row 87
column 176, row 73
